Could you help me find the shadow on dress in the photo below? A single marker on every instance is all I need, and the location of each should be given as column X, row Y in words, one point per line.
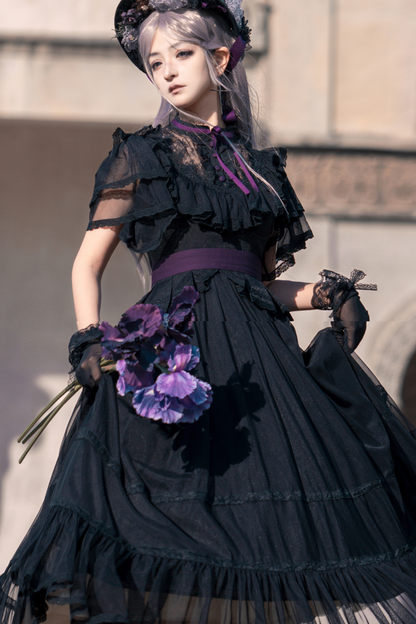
column 229, row 442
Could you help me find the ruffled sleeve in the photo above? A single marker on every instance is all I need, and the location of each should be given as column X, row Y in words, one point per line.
column 291, row 229
column 132, row 189
column 149, row 179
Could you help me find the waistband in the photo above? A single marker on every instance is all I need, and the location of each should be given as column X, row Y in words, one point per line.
column 215, row 258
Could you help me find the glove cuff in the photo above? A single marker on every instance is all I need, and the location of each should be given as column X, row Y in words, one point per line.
column 80, row 341
column 334, row 290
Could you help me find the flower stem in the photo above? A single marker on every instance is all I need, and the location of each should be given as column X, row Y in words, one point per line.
column 47, row 408
column 36, row 427
column 31, row 433
column 48, row 419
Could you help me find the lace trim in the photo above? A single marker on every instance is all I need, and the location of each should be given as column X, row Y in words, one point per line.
column 104, row 225
column 284, row 263
column 116, row 194
column 312, row 497
column 285, row 255
column 116, row 185
column 164, row 553
column 80, row 341
column 334, row 289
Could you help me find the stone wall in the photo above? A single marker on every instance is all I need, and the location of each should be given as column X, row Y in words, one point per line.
column 328, row 72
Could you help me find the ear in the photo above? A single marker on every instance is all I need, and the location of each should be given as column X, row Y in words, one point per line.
column 221, row 57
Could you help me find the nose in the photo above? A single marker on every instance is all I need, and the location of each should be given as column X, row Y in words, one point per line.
column 170, row 71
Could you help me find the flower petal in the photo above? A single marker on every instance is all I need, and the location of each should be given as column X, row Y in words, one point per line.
column 199, row 401
column 180, row 358
column 132, row 376
column 176, row 384
column 141, row 320
column 180, row 311
column 111, row 333
column 202, row 393
column 149, row 404
column 194, row 359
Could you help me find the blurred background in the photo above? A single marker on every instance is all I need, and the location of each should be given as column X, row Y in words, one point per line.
column 336, row 82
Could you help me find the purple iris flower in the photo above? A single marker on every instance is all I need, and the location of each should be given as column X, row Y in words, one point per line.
column 177, row 396
column 153, row 357
column 132, row 376
column 184, row 357
column 180, row 317
column 150, row 404
column 142, row 322
column 179, row 383
column 197, row 402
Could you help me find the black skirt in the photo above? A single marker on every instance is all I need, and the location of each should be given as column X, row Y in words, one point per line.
column 292, row 499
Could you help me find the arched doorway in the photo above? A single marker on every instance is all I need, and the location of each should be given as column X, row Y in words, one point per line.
column 408, row 393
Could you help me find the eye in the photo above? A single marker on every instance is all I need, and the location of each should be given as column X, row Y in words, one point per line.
column 155, row 65
column 184, row 53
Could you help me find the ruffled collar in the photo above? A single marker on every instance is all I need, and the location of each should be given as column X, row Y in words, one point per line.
column 217, row 137
column 185, row 125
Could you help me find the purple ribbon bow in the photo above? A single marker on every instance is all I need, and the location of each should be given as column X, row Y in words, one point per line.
column 218, row 136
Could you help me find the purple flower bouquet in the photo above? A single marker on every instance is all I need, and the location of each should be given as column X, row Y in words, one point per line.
column 152, row 352
column 154, row 356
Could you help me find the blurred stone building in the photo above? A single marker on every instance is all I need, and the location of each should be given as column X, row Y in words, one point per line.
column 336, row 81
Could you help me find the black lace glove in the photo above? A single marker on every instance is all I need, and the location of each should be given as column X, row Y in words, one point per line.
column 85, row 354
column 88, row 371
column 350, row 322
column 339, row 294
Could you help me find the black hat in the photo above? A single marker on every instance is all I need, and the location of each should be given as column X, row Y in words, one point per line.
column 130, row 15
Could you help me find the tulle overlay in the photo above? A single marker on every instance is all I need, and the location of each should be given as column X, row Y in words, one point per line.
column 292, row 499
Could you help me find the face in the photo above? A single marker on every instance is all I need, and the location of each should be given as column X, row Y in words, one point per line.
column 181, row 74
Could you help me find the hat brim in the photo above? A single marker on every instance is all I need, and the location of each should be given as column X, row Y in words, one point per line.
column 134, row 55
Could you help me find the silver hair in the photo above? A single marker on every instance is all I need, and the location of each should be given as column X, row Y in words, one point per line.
column 210, row 33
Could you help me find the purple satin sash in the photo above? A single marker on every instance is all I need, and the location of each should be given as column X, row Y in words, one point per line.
column 215, row 258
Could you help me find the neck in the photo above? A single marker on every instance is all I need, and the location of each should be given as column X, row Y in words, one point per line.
column 208, row 111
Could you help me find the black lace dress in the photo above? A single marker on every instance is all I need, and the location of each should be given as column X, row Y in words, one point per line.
column 291, row 500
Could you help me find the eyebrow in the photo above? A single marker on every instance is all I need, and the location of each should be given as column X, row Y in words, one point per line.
column 173, row 47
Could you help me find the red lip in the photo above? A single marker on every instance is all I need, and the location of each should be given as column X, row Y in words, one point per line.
column 174, row 87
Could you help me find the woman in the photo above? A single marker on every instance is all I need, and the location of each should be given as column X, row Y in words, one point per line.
column 292, row 498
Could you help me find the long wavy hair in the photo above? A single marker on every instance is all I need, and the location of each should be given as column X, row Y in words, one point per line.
column 209, row 32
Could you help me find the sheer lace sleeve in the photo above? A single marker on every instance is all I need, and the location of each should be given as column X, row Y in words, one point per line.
column 291, row 230
column 131, row 189
column 111, row 206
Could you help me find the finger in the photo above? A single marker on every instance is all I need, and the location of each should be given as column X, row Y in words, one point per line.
column 84, row 378
column 96, row 375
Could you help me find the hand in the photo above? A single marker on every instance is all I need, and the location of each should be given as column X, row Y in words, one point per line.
column 351, row 321
column 88, row 372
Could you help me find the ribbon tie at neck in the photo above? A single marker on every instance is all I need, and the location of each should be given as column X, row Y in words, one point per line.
column 218, row 135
